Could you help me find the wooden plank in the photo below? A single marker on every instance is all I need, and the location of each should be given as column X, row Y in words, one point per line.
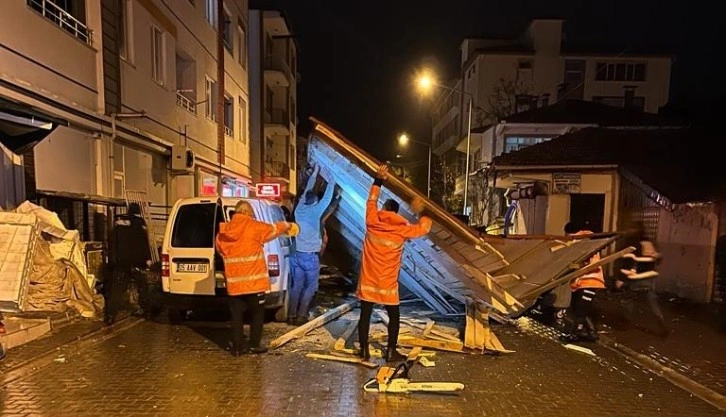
column 427, row 329
column 340, row 343
column 457, row 347
column 358, row 361
column 312, row 324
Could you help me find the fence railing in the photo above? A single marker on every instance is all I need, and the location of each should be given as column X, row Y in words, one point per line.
column 62, row 18
column 185, row 103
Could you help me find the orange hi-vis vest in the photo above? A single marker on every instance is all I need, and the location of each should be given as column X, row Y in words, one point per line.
column 386, row 232
column 593, row 279
column 241, row 244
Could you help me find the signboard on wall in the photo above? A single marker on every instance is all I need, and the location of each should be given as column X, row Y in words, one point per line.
column 268, row 190
column 566, row 183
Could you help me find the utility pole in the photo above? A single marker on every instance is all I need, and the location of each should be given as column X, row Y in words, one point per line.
column 220, row 92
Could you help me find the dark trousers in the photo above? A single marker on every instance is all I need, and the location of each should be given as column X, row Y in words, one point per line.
column 583, row 311
column 118, row 287
column 253, row 304
column 394, row 324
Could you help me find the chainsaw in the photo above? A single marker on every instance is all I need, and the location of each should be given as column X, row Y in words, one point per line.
column 396, row 380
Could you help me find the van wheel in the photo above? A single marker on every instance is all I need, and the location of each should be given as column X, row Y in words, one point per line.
column 281, row 313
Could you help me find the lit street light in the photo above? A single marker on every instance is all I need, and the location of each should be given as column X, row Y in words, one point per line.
column 425, row 83
column 403, row 141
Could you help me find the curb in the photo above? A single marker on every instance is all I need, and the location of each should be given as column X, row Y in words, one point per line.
column 669, row 374
column 92, row 338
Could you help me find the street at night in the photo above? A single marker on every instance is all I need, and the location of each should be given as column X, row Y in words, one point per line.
column 348, row 208
column 161, row 369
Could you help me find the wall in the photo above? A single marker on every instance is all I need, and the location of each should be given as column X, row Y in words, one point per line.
column 12, row 180
column 65, row 67
column 687, row 240
column 655, row 88
column 558, row 205
column 192, row 36
column 57, row 169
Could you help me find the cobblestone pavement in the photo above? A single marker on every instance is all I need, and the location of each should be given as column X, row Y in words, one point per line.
column 694, row 346
column 160, row 369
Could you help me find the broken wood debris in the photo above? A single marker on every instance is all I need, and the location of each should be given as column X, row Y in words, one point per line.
column 313, row 324
column 347, row 359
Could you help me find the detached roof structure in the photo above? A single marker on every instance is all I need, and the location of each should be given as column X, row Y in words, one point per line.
column 590, row 113
column 669, row 160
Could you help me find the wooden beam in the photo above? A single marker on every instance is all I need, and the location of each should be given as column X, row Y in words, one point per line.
column 312, row 324
column 358, row 361
column 457, row 347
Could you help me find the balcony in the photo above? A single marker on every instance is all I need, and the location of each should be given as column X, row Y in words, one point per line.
column 277, row 170
column 277, row 122
column 185, row 103
column 277, row 72
column 63, row 19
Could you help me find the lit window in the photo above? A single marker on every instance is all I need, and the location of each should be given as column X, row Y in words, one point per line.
column 210, row 98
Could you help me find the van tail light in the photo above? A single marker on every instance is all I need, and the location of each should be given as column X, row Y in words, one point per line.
column 164, row 265
column 273, row 265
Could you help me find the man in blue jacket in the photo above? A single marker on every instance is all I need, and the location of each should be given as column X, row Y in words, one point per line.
column 306, row 270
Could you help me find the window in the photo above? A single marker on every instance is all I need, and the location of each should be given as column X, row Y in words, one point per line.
column 186, row 82
column 620, row 71
column 210, row 98
column 228, row 116
column 227, row 31
column 526, row 102
column 279, row 216
column 241, row 47
column 515, row 143
column 210, row 12
column 243, row 120
column 194, row 226
column 123, row 26
column 157, row 55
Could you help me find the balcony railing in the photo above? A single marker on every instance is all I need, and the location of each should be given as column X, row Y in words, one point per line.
column 277, row 169
column 228, row 131
column 277, row 117
column 277, row 63
column 62, row 18
column 185, row 103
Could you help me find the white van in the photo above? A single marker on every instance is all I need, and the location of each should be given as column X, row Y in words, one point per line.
column 190, row 264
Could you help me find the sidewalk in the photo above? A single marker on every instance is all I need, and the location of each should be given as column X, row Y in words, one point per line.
column 694, row 347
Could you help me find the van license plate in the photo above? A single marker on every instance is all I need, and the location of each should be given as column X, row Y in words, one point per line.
column 202, row 268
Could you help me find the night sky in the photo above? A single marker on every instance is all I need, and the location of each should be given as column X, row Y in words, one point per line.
column 358, row 57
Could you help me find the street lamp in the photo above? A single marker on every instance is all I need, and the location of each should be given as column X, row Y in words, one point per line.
column 403, row 141
column 425, row 83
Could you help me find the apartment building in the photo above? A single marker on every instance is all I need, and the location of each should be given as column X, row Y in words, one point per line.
column 130, row 88
column 273, row 87
column 535, row 69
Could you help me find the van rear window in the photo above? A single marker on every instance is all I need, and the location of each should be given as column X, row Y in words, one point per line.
column 194, row 226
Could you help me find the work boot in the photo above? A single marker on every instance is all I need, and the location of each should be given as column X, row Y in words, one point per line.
column 258, row 349
column 392, row 355
column 364, row 353
column 291, row 320
column 300, row 320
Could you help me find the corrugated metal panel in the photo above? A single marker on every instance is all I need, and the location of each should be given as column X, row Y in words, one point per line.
column 453, row 261
column 18, row 234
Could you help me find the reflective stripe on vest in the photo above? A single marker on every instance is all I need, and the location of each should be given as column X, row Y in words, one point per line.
column 244, row 259
column 384, row 242
column 378, row 290
column 244, row 278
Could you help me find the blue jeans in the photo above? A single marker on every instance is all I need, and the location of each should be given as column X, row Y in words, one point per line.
column 306, row 273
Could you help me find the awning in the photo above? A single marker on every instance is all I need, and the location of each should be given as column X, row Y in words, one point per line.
column 22, row 126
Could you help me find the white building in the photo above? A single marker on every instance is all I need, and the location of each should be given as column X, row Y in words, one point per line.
column 273, row 89
column 136, row 81
column 538, row 68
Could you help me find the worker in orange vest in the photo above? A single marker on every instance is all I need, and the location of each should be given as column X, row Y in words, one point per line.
column 584, row 290
column 386, row 233
column 241, row 244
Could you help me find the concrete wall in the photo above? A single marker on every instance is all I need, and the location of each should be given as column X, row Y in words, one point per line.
column 687, row 241
column 47, row 59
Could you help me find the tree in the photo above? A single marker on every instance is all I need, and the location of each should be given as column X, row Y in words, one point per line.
column 508, row 94
column 443, row 184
